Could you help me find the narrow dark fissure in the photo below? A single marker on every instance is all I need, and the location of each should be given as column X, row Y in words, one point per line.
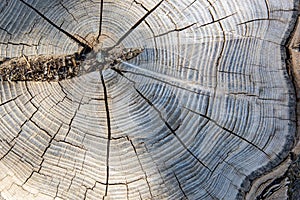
column 171, row 129
column 142, row 168
column 121, row 72
column 100, row 23
column 136, row 24
column 180, row 186
column 175, row 30
column 108, row 132
column 231, row 132
column 164, row 121
column 268, row 8
column 86, row 47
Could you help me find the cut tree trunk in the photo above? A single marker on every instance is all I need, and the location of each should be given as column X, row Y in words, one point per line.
column 169, row 99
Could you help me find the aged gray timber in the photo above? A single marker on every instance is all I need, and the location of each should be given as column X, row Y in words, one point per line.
column 171, row 99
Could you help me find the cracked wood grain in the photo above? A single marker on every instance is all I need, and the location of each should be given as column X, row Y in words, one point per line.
column 170, row 100
column 149, row 187
column 138, row 23
column 108, row 133
column 101, row 16
column 54, row 25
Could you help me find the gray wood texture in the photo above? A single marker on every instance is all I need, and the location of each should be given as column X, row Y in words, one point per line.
column 204, row 111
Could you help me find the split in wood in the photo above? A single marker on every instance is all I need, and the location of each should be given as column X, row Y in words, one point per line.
column 56, row 68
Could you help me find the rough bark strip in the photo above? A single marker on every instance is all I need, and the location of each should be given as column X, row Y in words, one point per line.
column 293, row 60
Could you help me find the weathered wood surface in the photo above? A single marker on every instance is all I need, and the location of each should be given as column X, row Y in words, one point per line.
column 205, row 111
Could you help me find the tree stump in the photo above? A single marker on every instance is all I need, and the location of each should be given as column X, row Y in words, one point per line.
column 166, row 99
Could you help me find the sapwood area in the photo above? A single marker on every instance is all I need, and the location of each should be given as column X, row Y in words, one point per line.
column 156, row 99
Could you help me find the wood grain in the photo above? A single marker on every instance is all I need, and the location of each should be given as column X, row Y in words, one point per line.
column 204, row 111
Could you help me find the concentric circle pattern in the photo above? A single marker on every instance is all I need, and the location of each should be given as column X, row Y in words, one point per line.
column 205, row 108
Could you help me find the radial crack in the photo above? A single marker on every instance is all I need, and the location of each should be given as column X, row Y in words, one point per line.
column 180, row 186
column 146, row 177
column 189, row 5
column 108, row 132
column 220, row 54
column 3, row 29
column 17, row 44
column 100, row 23
column 138, row 3
column 166, row 123
column 217, row 20
column 176, row 30
column 268, row 8
column 71, row 121
column 50, row 143
column 61, row 3
column 86, row 46
column 42, row 156
column 137, row 24
column 230, row 131
column 260, row 19
column 10, row 100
